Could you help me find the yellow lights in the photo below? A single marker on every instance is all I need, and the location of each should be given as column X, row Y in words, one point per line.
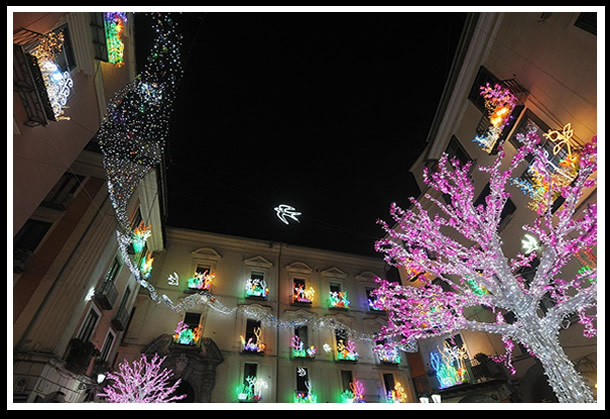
column 498, row 117
column 561, row 138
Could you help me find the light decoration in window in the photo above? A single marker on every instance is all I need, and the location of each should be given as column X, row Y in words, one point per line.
column 201, row 281
column 254, row 344
column 56, row 82
column 338, row 299
column 549, row 179
column 299, row 350
column 347, row 351
column 355, row 393
column 305, row 396
column 302, row 295
column 251, row 391
column 256, row 287
column 387, row 354
column 173, row 279
column 185, row 335
column 114, row 26
column 146, row 265
column 500, row 103
column 448, row 365
column 397, row 395
column 140, row 234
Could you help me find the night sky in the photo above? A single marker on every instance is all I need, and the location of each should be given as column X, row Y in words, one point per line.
column 322, row 111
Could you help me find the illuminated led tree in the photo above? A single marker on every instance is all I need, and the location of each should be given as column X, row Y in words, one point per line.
column 460, row 245
column 141, row 382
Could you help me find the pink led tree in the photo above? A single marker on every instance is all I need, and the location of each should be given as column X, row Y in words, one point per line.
column 141, row 382
column 477, row 272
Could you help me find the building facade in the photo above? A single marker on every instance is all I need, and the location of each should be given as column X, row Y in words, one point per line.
column 547, row 61
column 296, row 319
column 72, row 298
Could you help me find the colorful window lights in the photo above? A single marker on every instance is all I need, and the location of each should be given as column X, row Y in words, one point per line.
column 338, row 298
column 185, row 335
column 448, row 365
column 346, row 350
column 202, row 280
column 114, row 24
column 300, row 293
column 386, row 354
column 256, row 286
column 251, row 390
column 254, row 343
column 299, row 350
column 355, row 393
column 397, row 395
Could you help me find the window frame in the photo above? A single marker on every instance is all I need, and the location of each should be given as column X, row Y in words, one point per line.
column 92, row 308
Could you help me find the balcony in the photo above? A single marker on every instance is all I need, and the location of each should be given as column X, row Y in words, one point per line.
column 79, row 356
column 28, row 82
column 120, row 319
column 106, row 295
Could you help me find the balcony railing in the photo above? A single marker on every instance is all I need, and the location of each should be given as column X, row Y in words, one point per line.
column 107, row 295
column 120, row 319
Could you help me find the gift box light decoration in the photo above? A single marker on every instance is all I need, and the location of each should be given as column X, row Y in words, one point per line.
column 355, row 393
column 251, row 391
column 201, row 281
column 254, row 344
column 140, row 234
column 302, row 295
column 397, row 395
column 338, row 299
column 500, row 103
column 347, row 351
column 298, row 349
column 57, row 83
column 256, row 286
column 184, row 335
column 448, row 365
column 114, row 26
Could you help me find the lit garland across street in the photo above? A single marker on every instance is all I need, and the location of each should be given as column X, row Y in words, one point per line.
column 416, row 234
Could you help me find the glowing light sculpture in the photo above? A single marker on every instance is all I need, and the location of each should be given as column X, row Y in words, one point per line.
column 254, row 344
column 298, row 349
column 114, row 26
column 56, row 82
column 347, row 351
column 355, row 393
column 140, row 235
column 146, row 265
column 387, row 355
column 500, row 103
column 448, row 364
column 256, row 287
column 251, row 390
column 302, row 295
column 201, row 281
column 184, row 335
column 397, row 395
column 142, row 381
column 338, row 299
column 282, row 211
column 431, row 311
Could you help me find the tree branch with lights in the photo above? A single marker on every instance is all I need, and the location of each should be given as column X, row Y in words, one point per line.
column 460, row 245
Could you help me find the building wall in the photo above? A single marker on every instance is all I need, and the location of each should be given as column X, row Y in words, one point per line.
column 555, row 61
column 231, row 259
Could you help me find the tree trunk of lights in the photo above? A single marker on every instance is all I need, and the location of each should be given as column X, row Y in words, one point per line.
column 568, row 385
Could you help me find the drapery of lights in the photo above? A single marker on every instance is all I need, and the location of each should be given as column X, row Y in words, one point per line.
column 56, row 82
column 114, row 25
column 433, row 311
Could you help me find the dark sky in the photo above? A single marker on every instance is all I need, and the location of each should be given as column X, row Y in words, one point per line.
column 322, row 111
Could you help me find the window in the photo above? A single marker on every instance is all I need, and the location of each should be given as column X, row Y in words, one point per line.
column 107, row 346
column 338, row 298
column 371, row 300
column 483, row 76
column 302, row 333
column 31, row 234
column 587, row 21
column 346, row 379
column 300, row 293
column 88, row 326
column 63, row 192
column 249, row 371
column 114, row 270
column 99, row 36
column 256, row 286
column 455, row 149
column 507, row 211
column 388, row 382
column 136, row 219
column 531, row 122
column 192, row 320
column 393, row 275
column 302, row 380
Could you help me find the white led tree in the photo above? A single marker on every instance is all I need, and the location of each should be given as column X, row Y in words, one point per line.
column 460, row 245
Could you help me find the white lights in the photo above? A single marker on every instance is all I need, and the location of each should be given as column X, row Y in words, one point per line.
column 282, row 211
column 529, row 244
column 90, row 294
column 173, row 279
